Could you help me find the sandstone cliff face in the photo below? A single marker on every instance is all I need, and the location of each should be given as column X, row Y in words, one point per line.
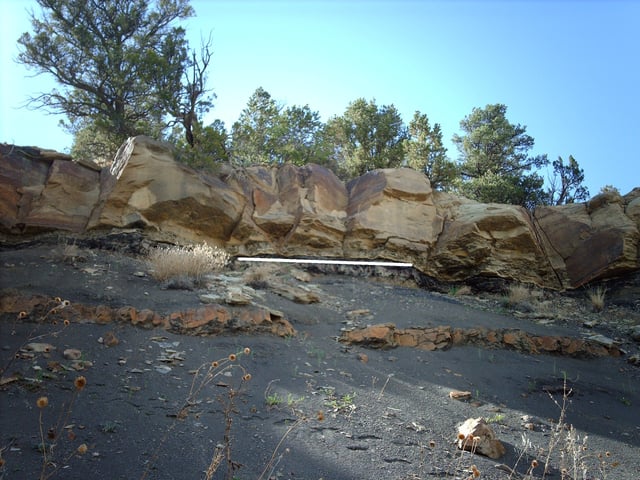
column 307, row 211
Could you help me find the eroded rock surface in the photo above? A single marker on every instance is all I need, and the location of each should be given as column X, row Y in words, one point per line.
column 444, row 337
column 210, row 319
column 307, row 211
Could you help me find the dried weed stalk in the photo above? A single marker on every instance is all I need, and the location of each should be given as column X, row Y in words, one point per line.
column 186, row 261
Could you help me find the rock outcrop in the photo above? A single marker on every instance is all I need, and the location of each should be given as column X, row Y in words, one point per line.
column 206, row 320
column 307, row 211
column 385, row 336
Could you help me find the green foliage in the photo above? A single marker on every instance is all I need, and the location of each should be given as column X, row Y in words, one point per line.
column 301, row 137
column 367, row 137
column 253, row 135
column 566, row 184
column 93, row 143
column 494, row 159
column 267, row 133
column 209, row 148
column 425, row 152
column 609, row 189
column 119, row 64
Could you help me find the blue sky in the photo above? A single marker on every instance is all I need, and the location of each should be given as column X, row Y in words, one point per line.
column 567, row 70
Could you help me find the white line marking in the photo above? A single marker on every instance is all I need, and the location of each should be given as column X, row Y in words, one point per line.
column 328, row 262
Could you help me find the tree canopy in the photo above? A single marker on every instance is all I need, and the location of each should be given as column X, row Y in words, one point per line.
column 494, row 159
column 124, row 68
column 426, row 153
column 566, row 184
column 122, row 65
column 367, row 137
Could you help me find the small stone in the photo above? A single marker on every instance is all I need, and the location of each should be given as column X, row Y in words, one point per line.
column 459, row 395
column 139, row 274
column 211, row 298
column 110, row 339
column 38, row 347
column 590, row 323
column 72, row 354
column 601, row 339
column 235, row 296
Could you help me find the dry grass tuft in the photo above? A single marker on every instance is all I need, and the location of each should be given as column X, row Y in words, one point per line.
column 186, row 261
column 521, row 297
column 518, row 294
column 596, row 297
column 258, row 276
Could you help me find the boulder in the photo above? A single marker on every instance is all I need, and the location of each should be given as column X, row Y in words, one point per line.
column 43, row 190
column 293, row 211
column 475, row 435
column 147, row 188
column 593, row 240
column 391, row 215
column 490, row 240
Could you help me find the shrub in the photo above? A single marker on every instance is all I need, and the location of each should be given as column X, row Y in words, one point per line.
column 258, row 276
column 596, row 296
column 186, row 261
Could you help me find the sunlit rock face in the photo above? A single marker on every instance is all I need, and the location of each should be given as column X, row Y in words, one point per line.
column 308, row 211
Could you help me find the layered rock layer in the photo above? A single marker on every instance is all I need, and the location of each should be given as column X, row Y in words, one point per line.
column 307, row 211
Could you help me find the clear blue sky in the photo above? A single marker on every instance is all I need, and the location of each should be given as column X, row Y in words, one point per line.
column 567, row 70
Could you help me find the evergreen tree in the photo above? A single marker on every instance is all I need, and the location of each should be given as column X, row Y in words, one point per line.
column 425, row 152
column 494, row 159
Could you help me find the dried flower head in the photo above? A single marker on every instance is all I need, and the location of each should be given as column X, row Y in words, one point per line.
column 475, row 471
column 42, row 402
column 460, row 436
column 80, row 382
column 82, row 449
column 51, row 434
column 214, row 364
column 246, row 377
column 432, row 443
column 247, row 350
column 66, row 322
column 534, row 463
column 57, row 299
column 22, row 314
column 607, row 454
column 1, row 462
column 232, row 357
column 320, row 415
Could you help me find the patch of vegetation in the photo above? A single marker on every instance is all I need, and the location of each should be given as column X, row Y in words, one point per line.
column 596, row 297
column 184, row 263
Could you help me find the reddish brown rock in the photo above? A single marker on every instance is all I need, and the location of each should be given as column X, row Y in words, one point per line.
column 376, row 336
column 439, row 338
column 592, row 240
column 207, row 320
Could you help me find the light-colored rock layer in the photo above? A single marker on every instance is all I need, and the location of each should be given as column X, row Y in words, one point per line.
column 307, row 211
